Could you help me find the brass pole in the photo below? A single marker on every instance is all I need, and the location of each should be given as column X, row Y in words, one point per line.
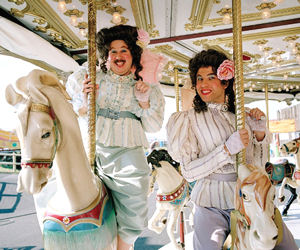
column 92, row 74
column 176, row 82
column 267, row 113
column 238, row 72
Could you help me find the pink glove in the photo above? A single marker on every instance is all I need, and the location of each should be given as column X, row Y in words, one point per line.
column 142, row 97
column 256, row 125
column 234, row 143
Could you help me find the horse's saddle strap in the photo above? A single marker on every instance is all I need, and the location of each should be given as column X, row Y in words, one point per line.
column 115, row 115
column 222, row 177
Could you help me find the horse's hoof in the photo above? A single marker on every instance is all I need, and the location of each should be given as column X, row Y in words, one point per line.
column 281, row 199
column 284, row 212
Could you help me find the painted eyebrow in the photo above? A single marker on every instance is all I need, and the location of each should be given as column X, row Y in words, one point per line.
column 123, row 47
column 210, row 74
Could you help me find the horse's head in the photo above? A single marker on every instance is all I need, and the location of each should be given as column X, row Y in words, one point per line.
column 291, row 147
column 157, row 156
column 36, row 129
column 162, row 165
column 255, row 202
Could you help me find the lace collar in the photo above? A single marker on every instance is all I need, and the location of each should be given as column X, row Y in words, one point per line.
column 120, row 79
column 219, row 106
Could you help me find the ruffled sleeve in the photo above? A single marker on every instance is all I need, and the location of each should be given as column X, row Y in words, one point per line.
column 151, row 118
column 74, row 88
column 260, row 150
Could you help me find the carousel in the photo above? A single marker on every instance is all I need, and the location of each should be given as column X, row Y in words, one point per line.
column 74, row 207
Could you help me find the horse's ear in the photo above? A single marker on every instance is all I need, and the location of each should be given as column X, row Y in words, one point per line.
column 12, row 97
column 34, row 85
column 243, row 172
column 50, row 79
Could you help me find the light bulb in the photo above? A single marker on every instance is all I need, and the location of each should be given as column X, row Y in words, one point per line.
column 266, row 13
column 285, row 76
column 73, row 20
column 271, row 89
column 82, row 32
column 62, row 6
column 116, row 18
column 226, row 18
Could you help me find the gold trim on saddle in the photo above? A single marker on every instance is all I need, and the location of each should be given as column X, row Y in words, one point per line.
column 172, row 195
column 91, row 214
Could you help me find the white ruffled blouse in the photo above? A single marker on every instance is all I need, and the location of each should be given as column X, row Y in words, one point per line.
column 196, row 140
column 117, row 93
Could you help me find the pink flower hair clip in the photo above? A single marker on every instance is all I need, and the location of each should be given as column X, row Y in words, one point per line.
column 226, row 70
column 143, row 38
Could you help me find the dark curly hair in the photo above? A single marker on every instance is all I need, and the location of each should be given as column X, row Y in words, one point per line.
column 126, row 33
column 205, row 59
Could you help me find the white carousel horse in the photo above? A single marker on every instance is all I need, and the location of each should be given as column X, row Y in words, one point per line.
column 291, row 147
column 172, row 194
column 80, row 214
column 277, row 173
column 256, row 223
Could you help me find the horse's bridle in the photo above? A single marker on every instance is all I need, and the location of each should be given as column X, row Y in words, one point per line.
column 46, row 163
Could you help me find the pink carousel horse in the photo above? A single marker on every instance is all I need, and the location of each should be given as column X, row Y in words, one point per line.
column 255, row 222
column 80, row 214
column 172, row 195
column 291, row 147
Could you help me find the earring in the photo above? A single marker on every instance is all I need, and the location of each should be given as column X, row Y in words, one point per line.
column 225, row 106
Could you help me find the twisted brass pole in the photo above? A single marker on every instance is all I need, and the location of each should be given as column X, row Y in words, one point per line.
column 267, row 113
column 238, row 72
column 92, row 74
column 176, row 82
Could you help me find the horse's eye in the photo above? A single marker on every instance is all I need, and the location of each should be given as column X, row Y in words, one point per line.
column 245, row 197
column 46, row 135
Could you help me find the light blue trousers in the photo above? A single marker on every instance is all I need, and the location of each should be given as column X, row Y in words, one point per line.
column 126, row 174
column 215, row 222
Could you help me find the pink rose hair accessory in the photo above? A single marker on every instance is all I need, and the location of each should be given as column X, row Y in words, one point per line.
column 226, row 70
column 143, row 38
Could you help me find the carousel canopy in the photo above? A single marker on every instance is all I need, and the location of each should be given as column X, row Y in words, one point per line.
column 178, row 29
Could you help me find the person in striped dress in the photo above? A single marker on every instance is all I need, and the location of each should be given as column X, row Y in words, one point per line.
column 203, row 139
column 126, row 107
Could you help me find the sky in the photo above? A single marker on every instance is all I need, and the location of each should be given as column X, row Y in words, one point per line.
column 12, row 68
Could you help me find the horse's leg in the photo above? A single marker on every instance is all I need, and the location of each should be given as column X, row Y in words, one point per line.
column 155, row 224
column 280, row 193
column 172, row 221
column 291, row 199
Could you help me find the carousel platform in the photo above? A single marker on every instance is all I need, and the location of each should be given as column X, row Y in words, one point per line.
column 19, row 227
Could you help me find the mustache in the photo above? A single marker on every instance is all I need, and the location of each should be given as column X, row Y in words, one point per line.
column 118, row 60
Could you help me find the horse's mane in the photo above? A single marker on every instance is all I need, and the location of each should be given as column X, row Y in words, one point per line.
column 161, row 155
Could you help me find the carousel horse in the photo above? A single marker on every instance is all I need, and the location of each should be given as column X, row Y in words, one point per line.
column 291, row 147
column 277, row 172
column 172, row 195
column 256, row 223
column 80, row 214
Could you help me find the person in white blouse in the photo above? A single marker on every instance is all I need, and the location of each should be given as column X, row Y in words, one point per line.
column 126, row 108
column 203, row 139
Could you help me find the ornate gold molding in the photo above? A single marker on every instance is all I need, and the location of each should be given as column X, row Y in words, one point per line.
column 245, row 18
column 139, row 10
column 169, row 51
column 17, row 2
column 198, row 19
column 53, row 24
column 254, row 36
